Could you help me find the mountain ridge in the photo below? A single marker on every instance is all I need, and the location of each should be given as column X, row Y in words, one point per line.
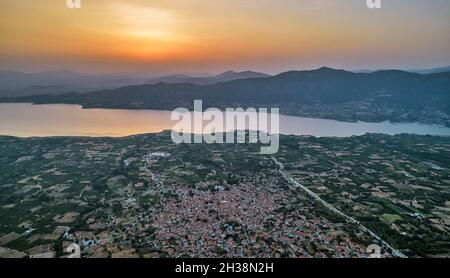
column 393, row 95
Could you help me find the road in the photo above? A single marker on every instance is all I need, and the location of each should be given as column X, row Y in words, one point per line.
column 294, row 184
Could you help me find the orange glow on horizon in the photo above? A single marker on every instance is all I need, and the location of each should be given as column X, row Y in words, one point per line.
column 178, row 34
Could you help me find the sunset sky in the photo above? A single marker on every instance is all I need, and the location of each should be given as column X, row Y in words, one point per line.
column 188, row 36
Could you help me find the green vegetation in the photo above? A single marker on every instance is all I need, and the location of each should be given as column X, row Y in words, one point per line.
column 397, row 186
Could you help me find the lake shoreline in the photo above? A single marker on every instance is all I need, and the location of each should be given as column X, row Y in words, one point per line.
column 285, row 113
column 27, row 120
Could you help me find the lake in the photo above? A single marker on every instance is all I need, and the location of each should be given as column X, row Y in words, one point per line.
column 27, row 120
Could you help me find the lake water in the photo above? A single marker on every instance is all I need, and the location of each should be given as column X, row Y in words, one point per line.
column 27, row 120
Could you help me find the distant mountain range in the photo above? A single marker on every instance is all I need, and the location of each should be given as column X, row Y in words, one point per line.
column 14, row 83
column 421, row 71
column 433, row 70
column 223, row 77
column 393, row 95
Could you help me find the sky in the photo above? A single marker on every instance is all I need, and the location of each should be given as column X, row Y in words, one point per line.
column 198, row 36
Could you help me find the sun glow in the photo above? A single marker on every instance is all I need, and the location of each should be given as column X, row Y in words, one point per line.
column 148, row 23
column 204, row 35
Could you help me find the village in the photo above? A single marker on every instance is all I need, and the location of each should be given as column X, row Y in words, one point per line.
column 143, row 196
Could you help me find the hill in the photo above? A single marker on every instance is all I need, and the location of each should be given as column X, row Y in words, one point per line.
column 223, row 77
column 394, row 95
